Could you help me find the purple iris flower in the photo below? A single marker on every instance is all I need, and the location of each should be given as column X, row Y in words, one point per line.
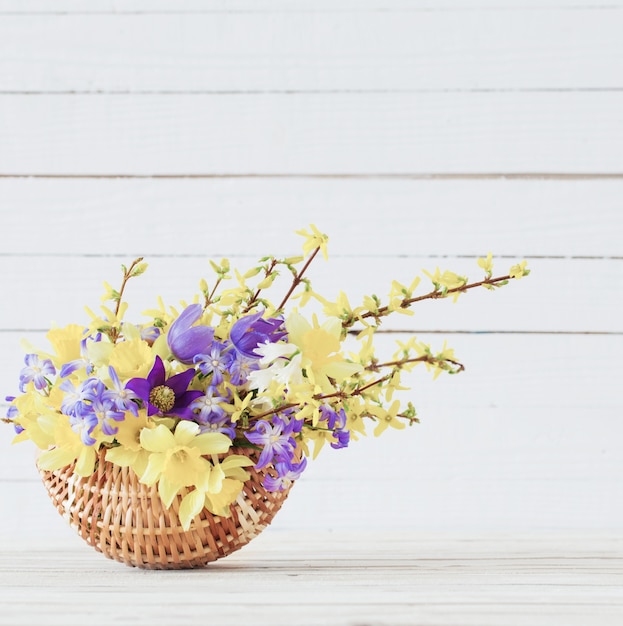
column 35, row 371
column 165, row 396
column 186, row 340
column 286, row 474
column 276, row 441
column 252, row 330
column 216, row 362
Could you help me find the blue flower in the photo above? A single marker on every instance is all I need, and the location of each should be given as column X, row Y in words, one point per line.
column 122, row 397
column 240, row 368
column 35, row 371
column 103, row 407
column 286, row 474
column 84, row 425
column 216, row 362
column 208, row 405
column 76, row 401
column 276, row 439
column 186, row 340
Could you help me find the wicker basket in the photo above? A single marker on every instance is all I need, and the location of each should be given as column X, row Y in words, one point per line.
column 126, row 520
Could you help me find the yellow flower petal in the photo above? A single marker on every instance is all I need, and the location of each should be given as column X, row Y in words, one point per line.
column 167, row 491
column 212, row 443
column 192, row 504
column 157, row 439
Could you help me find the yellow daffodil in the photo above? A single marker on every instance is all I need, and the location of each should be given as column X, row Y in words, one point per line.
column 320, row 348
column 129, row 452
column 176, row 458
column 66, row 343
column 68, row 448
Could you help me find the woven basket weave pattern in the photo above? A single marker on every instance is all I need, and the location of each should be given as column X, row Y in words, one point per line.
column 126, row 520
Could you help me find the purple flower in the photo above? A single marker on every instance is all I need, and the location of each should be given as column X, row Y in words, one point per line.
column 208, row 405
column 150, row 334
column 12, row 412
column 165, row 396
column 35, row 371
column 219, row 425
column 77, row 401
column 121, row 396
column 336, row 421
column 240, row 368
column 104, row 410
column 342, row 437
column 333, row 419
column 83, row 361
column 276, row 439
column 84, row 425
column 252, row 330
column 216, row 362
column 186, row 340
column 286, row 474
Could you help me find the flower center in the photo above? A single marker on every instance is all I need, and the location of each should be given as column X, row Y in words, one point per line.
column 162, row 397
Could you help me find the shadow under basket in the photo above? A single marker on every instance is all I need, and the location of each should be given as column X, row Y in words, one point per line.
column 126, row 520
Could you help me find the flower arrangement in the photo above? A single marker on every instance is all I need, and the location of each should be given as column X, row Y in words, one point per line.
column 171, row 397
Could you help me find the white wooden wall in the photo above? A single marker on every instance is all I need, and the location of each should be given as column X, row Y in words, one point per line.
column 415, row 133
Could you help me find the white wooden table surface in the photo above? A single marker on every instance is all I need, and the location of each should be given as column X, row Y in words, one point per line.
column 360, row 579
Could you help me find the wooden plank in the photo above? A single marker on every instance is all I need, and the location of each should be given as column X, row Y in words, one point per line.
column 335, row 51
column 312, row 133
column 375, row 217
column 66, row 284
column 293, row 6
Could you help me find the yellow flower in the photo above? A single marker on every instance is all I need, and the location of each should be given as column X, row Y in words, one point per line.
column 519, row 270
column 130, row 453
column 486, row 264
column 386, row 417
column 320, row 349
column 314, row 240
column 219, row 488
column 132, row 359
column 176, row 460
column 68, row 448
column 66, row 343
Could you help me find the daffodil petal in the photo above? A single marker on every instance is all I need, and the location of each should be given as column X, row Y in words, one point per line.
column 185, row 432
column 154, row 468
column 158, row 439
column 167, row 491
column 192, row 504
column 212, row 443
